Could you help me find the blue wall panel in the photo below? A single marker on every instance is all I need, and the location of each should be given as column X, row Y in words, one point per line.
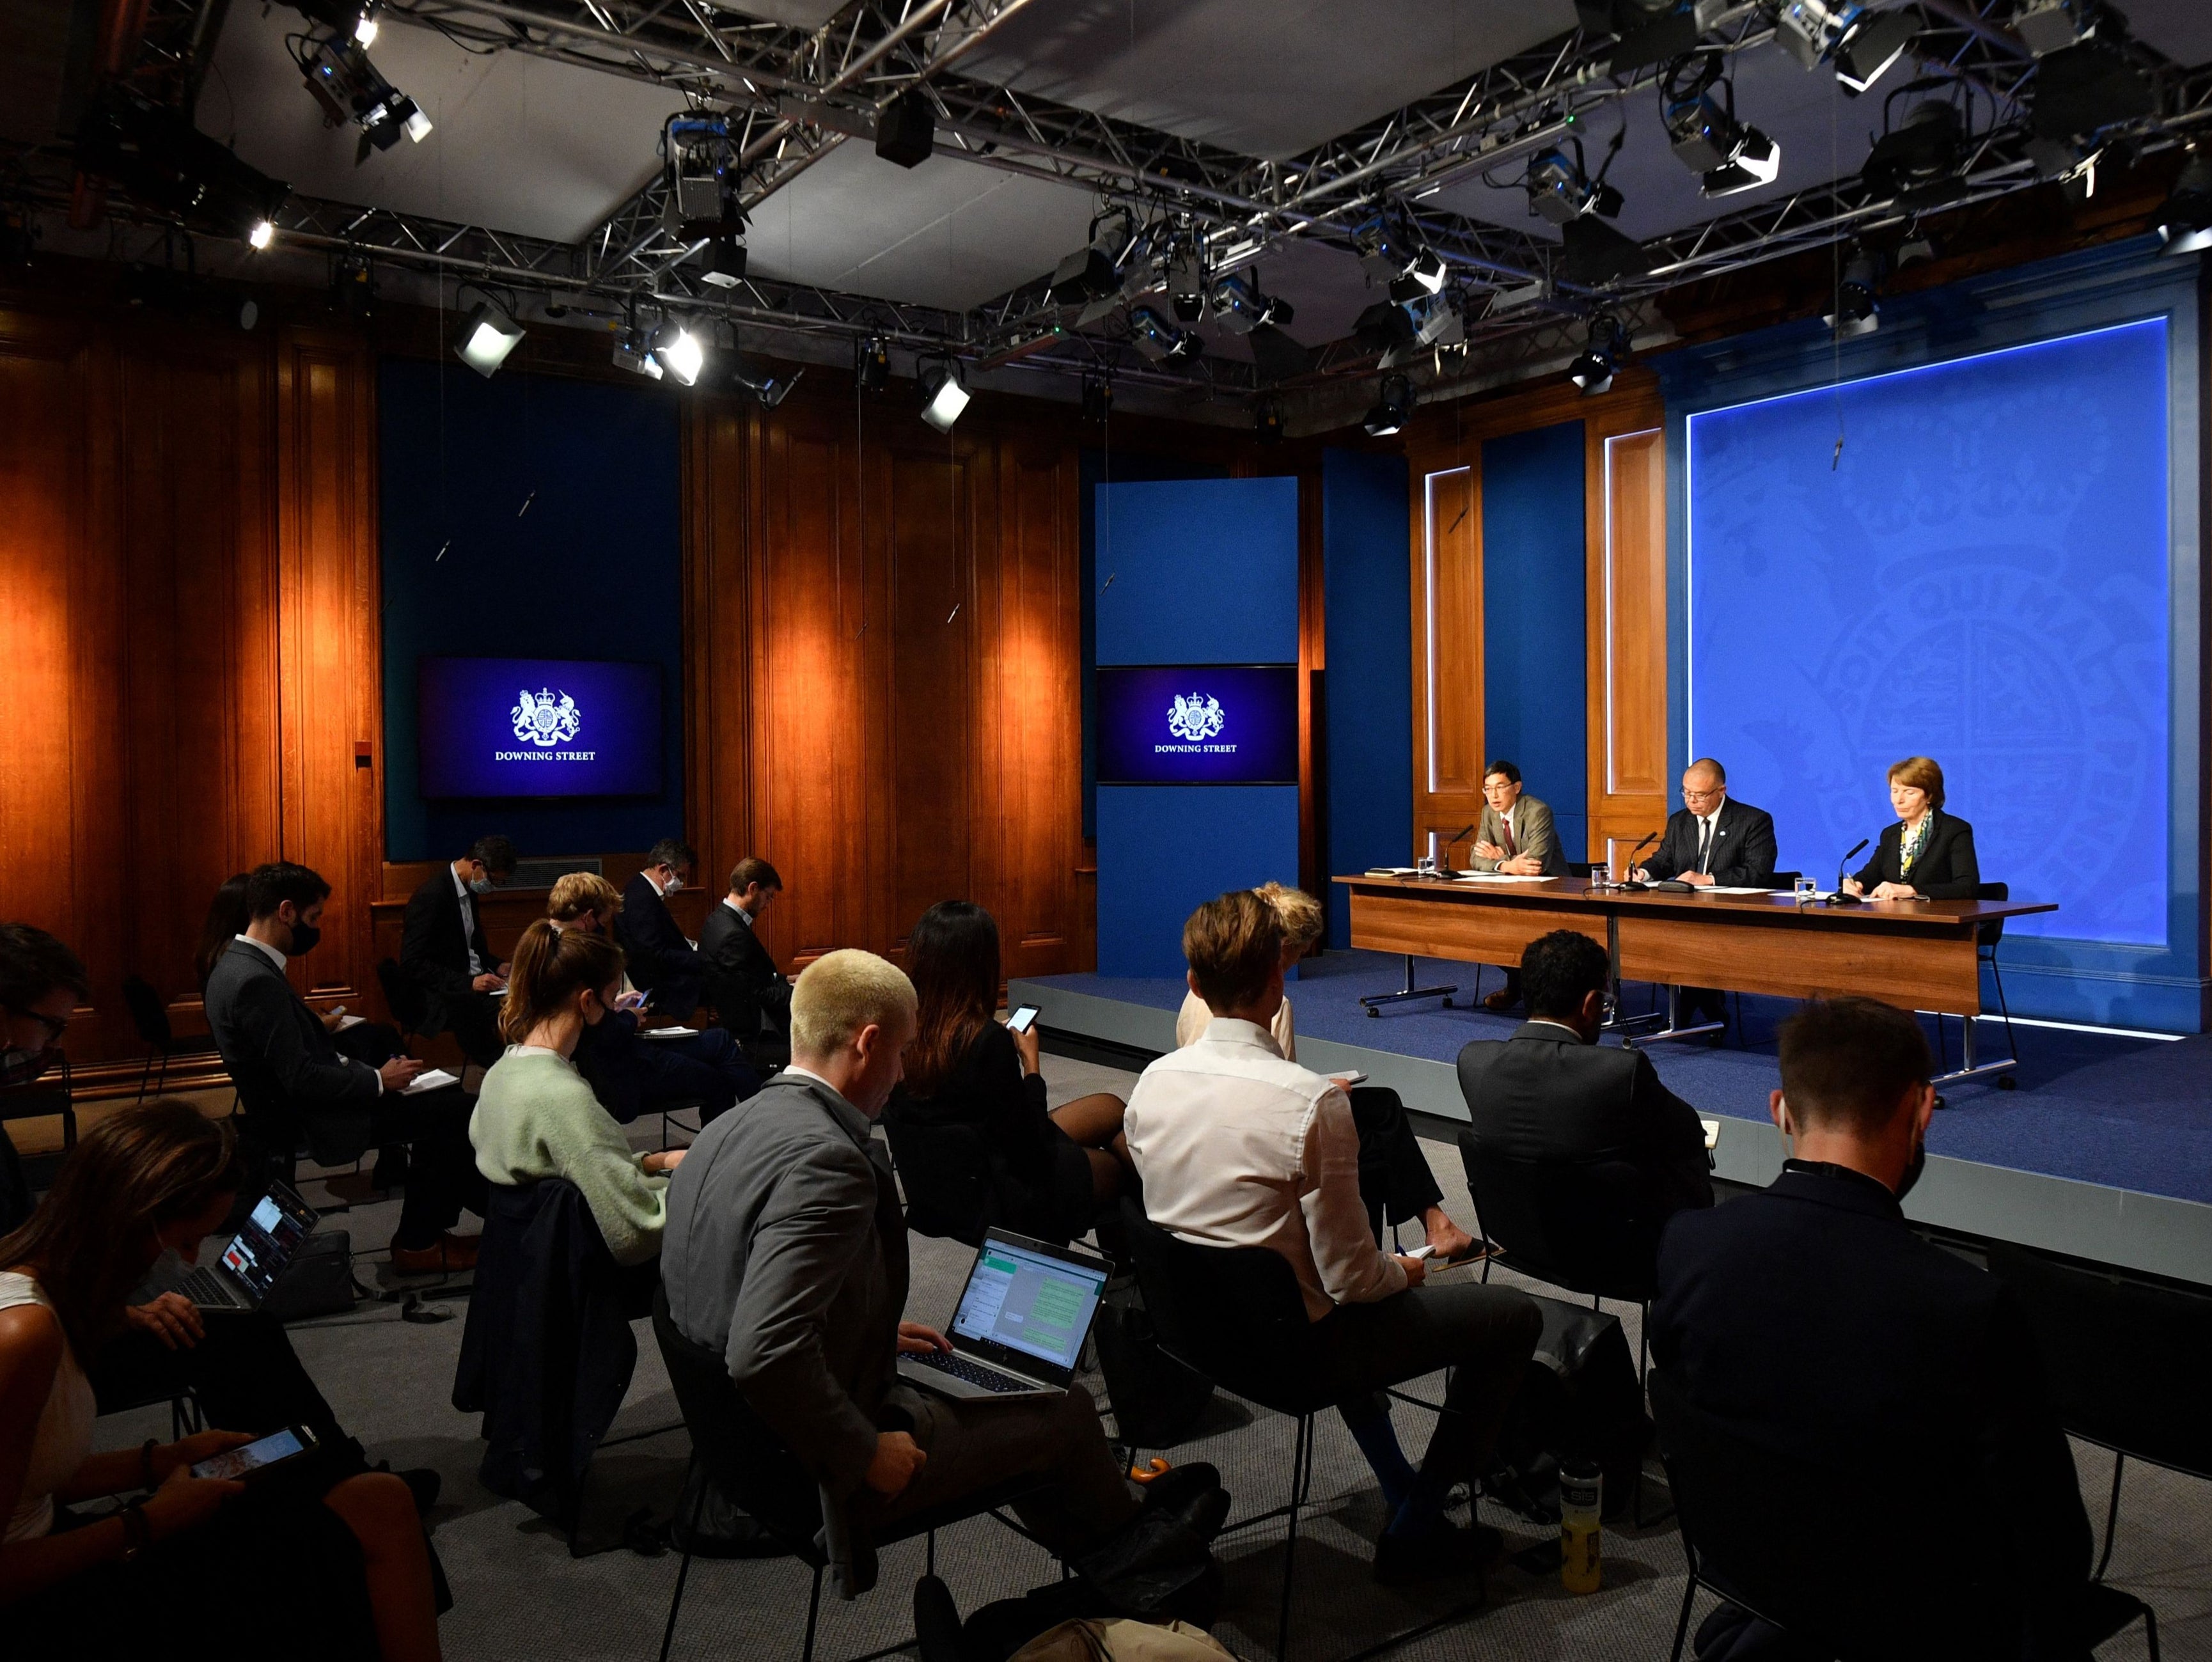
column 592, row 569
column 1367, row 689
column 1533, row 701
column 1164, row 849
column 1198, row 572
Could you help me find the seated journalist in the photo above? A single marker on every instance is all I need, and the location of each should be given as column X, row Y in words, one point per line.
column 1928, row 854
column 786, row 1253
column 632, row 1075
column 1811, row 1320
column 749, row 993
column 443, row 949
column 1395, row 1178
column 1551, row 1091
column 364, row 1040
column 1237, row 1147
column 295, row 1082
column 662, row 960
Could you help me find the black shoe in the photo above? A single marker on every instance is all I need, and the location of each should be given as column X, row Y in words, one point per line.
column 1195, row 1495
column 936, row 1622
column 1404, row 1560
column 423, row 1485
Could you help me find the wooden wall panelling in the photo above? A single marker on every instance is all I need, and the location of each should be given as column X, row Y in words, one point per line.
column 332, row 680
column 718, row 608
column 1446, row 643
column 1630, row 791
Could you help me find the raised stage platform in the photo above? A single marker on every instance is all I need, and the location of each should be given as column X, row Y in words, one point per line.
column 2103, row 1153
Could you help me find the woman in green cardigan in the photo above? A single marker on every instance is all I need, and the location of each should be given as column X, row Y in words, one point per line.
column 537, row 1117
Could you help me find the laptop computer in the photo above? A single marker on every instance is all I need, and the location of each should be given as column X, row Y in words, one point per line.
column 1022, row 1319
column 257, row 1256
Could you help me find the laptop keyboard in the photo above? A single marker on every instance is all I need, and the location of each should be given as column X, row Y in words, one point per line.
column 975, row 1373
column 202, row 1286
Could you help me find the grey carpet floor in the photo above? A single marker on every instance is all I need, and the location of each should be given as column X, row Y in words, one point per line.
column 519, row 1594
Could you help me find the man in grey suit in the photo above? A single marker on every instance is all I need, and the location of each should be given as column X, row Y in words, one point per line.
column 293, row 1081
column 1516, row 837
column 786, row 1251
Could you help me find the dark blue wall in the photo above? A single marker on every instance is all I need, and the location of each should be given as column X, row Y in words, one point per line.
column 1367, row 757
column 1164, row 849
column 591, row 570
column 1533, row 664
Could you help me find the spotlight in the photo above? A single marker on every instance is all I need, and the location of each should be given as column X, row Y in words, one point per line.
column 1090, row 277
column 764, row 382
column 1424, row 274
column 2085, row 88
column 872, row 363
column 1601, row 355
column 943, row 396
column 1098, row 397
column 1386, row 329
column 1393, row 408
column 487, row 335
column 2049, row 26
column 1241, row 308
column 1160, row 340
column 350, row 88
column 724, row 266
column 1862, row 43
column 1858, row 301
column 1918, row 163
column 1186, row 283
column 159, row 158
column 633, row 352
column 1267, row 420
column 1436, row 322
column 906, row 131
column 679, row 350
column 1561, row 191
column 1649, row 31
column 354, row 18
column 1730, row 155
column 2185, row 222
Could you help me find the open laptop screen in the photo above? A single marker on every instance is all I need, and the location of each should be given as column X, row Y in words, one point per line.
column 1029, row 1301
column 264, row 1249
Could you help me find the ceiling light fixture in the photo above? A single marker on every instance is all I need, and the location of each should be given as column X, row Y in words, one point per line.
column 1561, row 189
column 1919, row 162
column 1730, row 156
column 263, row 232
column 1649, row 31
column 679, row 350
column 1858, row 297
column 1393, row 408
column 1267, row 420
column 1160, row 340
column 1863, row 42
column 764, row 382
column 488, row 334
column 1240, row 308
column 906, row 131
column 356, row 19
column 159, row 158
column 1424, row 274
column 1601, row 355
column 350, row 89
column 2049, row 26
column 1098, row 397
column 872, row 363
column 633, row 352
column 944, row 395
column 2185, row 221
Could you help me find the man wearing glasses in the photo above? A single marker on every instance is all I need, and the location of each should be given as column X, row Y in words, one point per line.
column 1713, row 839
column 40, row 982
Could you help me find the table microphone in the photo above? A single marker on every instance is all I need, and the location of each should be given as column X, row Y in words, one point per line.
column 1628, row 885
column 1444, row 848
column 1840, row 898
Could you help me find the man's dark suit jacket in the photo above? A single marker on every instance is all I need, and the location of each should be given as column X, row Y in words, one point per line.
column 1947, row 869
column 1544, row 1093
column 1743, row 846
column 433, row 947
column 742, row 983
column 661, row 960
column 1812, row 1320
column 288, row 1072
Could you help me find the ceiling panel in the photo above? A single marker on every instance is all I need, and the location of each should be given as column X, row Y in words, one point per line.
column 947, row 233
column 519, row 144
column 1264, row 77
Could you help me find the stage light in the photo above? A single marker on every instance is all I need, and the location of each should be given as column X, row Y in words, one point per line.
column 906, row 132
column 1424, row 274
column 2084, row 89
column 354, row 18
column 1098, row 397
column 872, row 363
column 2049, row 26
column 633, row 352
column 1601, row 354
column 157, row 157
column 1240, row 308
column 350, row 88
column 764, row 382
column 1562, row 191
column 2185, row 221
column 943, row 394
column 1160, row 340
column 1919, row 163
column 679, row 350
column 1729, row 155
column 1393, row 408
column 1267, row 420
column 1437, row 322
column 1863, row 43
column 1858, row 299
column 488, row 334
column 1649, row 31
column 1384, row 328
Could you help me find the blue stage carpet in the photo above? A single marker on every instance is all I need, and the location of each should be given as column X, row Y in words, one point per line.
column 2128, row 1114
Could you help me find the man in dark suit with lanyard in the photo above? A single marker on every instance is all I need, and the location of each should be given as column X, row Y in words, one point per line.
column 1712, row 840
column 661, row 960
column 747, row 990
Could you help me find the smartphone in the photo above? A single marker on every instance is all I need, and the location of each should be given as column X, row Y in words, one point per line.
column 1350, row 1077
column 293, row 1443
column 1022, row 1019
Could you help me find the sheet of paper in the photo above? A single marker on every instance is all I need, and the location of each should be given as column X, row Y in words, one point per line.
column 668, row 1033
column 345, row 1022
column 1722, row 888
column 430, row 1080
column 1392, row 871
column 1498, row 877
column 1712, row 1132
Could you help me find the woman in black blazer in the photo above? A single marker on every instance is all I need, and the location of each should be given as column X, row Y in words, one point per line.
column 1927, row 852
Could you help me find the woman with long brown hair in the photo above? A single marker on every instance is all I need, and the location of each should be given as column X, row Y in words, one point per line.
column 1053, row 1169
column 345, row 1562
column 538, row 1117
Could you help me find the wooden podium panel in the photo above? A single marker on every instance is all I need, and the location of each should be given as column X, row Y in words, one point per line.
column 1438, row 923
column 1935, row 969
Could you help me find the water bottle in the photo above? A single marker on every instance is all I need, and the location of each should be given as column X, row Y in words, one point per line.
column 1806, row 890
column 1582, row 1500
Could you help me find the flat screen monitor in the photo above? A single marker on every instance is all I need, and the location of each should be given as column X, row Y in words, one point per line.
column 538, row 727
column 1199, row 724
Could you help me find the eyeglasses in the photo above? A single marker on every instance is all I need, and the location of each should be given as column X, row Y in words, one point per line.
column 56, row 1026
column 1703, row 796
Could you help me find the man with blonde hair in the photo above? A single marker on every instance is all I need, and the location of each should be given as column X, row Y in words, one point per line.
column 785, row 1259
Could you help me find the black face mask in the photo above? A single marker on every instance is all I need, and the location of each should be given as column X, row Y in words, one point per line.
column 304, row 937
column 1912, row 1171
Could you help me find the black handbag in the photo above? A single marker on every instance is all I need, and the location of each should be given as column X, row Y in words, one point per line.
column 1580, row 1400
column 320, row 1282
column 1157, row 1401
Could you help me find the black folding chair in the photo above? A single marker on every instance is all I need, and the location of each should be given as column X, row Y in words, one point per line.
column 409, row 1004
column 2123, row 1357
column 44, row 1098
column 151, row 1019
column 1863, row 1556
column 1985, row 952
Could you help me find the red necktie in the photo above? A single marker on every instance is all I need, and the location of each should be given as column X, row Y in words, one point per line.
column 1506, row 826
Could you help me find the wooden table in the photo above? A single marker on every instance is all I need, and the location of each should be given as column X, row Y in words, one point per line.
column 1921, row 955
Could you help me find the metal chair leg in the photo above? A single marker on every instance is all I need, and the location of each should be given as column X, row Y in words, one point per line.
column 684, row 1570
column 145, row 1074
column 813, row 1612
column 2112, row 1514
column 2151, row 1632
column 1682, row 1622
column 1300, row 1460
